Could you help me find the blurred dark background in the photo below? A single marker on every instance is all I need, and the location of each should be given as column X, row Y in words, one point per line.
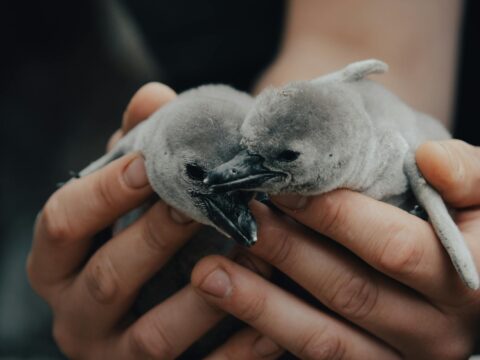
column 67, row 72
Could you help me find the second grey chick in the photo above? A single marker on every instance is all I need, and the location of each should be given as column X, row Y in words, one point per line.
column 342, row 131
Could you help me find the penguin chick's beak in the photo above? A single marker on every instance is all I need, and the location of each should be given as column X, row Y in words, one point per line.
column 231, row 214
column 245, row 171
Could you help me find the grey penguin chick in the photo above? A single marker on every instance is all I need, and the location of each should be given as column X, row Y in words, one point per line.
column 182, row 141
column 342, row 130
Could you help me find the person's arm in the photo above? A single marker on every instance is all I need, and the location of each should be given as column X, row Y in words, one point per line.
column 418, row 39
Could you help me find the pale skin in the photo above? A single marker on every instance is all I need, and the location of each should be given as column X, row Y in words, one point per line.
column 396, row 297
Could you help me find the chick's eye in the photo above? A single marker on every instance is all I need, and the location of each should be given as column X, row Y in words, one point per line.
column 195, row 172
column 288, row 155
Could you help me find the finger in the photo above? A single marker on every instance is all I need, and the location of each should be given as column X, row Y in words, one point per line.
column 171, row 327
column 347, row 285
column 79, row 210
column 145, row 102
column 108, row 284
column 247, row 344
column 453, row 168
column 164, row 332
column 294, row 325
column 396, row 243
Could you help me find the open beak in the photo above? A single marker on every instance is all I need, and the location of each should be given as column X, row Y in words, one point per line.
column 230, row 213
column 245, row 171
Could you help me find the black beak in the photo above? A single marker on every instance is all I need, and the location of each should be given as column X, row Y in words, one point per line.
column 245, row 171
column 230, row 213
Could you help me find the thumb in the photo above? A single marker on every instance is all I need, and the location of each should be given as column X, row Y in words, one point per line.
column 452, row 167
column 145, row 102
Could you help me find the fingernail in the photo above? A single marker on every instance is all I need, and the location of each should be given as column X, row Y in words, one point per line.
column 265, row 346
column 292, row 201
column 179, row 217
column 243, row 260
column 135, row 175
column 217, row 284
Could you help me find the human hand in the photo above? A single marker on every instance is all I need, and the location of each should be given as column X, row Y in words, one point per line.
column 387, row 277
column 91, row 296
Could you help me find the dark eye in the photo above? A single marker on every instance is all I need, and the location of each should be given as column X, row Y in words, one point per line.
column 288, row 155
column 195, row 172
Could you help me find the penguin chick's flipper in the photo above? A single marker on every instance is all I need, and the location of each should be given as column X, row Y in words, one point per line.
column 355, row 71
column 420, row 212
column 100, row 163
column 443, row 224
column 122, row 147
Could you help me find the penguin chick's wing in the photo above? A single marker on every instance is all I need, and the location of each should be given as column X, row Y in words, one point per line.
column 354, row 71
column 122, row 147
column 446, row 230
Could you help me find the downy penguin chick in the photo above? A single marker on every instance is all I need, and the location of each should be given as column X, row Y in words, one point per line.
column 181, row 142
column 342, row 131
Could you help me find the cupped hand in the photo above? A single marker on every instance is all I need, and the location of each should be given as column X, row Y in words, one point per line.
column 389, row 283
column 91, row 295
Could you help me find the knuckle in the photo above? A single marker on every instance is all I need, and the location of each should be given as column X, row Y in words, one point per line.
column 55, row 222
column 251, row 310
column 281, row 250
column 355, row 297
column 400, row 254
column 151, row 342
column 101, row 279
column 318, row 346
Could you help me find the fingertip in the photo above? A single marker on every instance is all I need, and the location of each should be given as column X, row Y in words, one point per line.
column 179, row 217
column 146, row 101
column 213, row 274
column 156, row 86
column 439, row 165
column 135, row 173
column 212, row 280
column 204, row 267
column 292, row 202
column 261, row 212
